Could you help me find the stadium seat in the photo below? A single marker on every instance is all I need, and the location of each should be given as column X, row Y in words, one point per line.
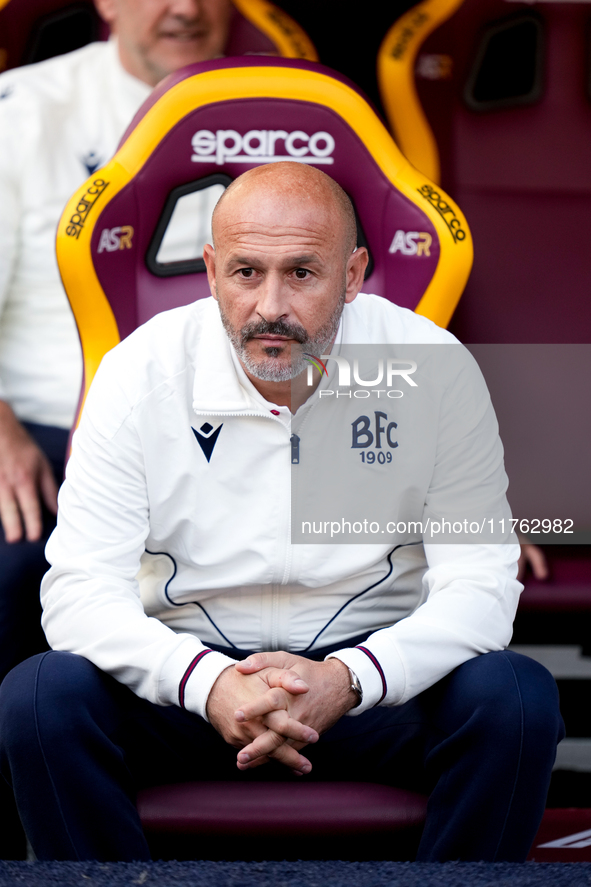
column 292, row 820
column 34, row 30
column 566, row 591
column 564, row 836
column 491, row 98
column 200, row 129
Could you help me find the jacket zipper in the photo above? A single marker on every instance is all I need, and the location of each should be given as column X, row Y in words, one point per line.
column 287, row 559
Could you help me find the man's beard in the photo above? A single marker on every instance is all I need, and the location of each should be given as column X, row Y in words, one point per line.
column 271, row 368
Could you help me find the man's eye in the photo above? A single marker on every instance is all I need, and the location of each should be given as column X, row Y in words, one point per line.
column 301, row 273
column 246, row 272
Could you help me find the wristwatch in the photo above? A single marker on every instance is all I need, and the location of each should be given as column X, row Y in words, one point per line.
column 356, row 686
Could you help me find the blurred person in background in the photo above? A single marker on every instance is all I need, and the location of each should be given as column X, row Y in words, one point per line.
column 60, row 120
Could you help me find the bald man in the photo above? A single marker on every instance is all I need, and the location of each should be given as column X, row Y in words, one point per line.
column 172, row 560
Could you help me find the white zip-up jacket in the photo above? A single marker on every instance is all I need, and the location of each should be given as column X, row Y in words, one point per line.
column 59, row 120
column 174, row 526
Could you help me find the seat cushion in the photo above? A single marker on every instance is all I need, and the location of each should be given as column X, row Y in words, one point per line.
column 279, row 808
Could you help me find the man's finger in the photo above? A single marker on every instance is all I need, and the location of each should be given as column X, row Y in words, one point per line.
column 10, row 516
column 280, row 722
column 257, row 762
column 270, row 744
column 289, row 680
column 258, row 661
column 289, row 757
column 244, row 733
column 282, row 730
column 30, row 508
column 273, row 700
column 278, row 671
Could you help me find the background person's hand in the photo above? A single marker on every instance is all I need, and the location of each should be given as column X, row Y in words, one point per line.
column 278, row 687
column 329, row 697
column 26, row 480
column 532, row 556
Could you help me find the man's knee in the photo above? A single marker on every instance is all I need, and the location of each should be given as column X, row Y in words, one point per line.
column 508, row 692
column 46, row 694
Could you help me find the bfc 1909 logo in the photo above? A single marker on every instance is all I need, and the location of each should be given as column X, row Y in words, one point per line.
column 364, row 437
column 378, row 435
column 262, row 146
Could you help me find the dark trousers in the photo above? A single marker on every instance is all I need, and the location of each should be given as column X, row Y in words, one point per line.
column 77, row 745
column 22, row 565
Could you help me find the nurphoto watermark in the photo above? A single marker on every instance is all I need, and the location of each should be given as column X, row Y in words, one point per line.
column 399, row 444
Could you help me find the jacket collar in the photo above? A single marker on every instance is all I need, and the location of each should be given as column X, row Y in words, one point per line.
column 217, row 387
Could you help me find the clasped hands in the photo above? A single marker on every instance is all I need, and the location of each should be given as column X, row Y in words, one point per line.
column 271, row 705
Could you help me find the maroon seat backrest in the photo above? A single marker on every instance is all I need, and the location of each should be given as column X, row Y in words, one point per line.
column 218, row 119
column 381, row 208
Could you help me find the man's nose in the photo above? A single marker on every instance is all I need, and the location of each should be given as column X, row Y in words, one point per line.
column 191, row 10
column 274, row 298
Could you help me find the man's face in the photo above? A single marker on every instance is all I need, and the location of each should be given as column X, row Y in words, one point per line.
column 281, row 277
column 156, row 37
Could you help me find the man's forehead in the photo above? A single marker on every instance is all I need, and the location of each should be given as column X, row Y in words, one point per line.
column 280, row 230
column 287, row 240
column 257, row 195
column 270, row 216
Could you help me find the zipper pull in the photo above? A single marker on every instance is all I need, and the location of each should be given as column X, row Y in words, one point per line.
column 295, row 449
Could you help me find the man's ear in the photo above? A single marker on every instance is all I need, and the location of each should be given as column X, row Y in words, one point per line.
column 356, row 265
column 209, row 259
column 107, row 11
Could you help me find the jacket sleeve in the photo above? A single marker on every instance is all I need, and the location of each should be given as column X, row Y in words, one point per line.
column 472, row 596
column 90, row 596
column 470, row 590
